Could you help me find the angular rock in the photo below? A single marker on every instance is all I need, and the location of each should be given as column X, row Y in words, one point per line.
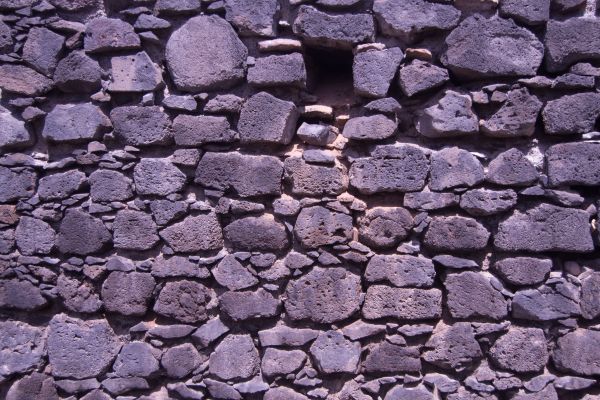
column 452, row 116
column 282, row 335
column 184, row 301
column 20, row 295
column 573, row 164
column 6, row 40
column 13, row 133
column 16, row 184
column 315, row 134
column 22, row 347
column 456, row 234
column 34, row 236
column 165, row 267
column 180, row 361
column 407, row 18
column 205, row 54
column 520, row 350
column 278, row 70
column 453, row 167
column 235, row 357
column 266, row 119
column 318, row 226
column 341, row 31
column 128, row 293
column 141, row 126
column 590, row 296
column 577, row 352
column 383, row 227
column 157, row 176
column 166, row 211
column 417, row 393
column 409, row 304
column 19, row 79
column 453, row 347
column 74, row 123
column 109, row 34
column 523, row 271
column 195, row 233
column 315, row 180
column 241, row 306
column 253, row 18
column 78, row 294
column 323, row 295
column 107, row 185
column 78, row 73
column 135, row 73
column 35, row 386
column 374, row 70
column 571, row 40
column 257, row 233
column 246, row 175
column 484, row 202
column 545, row 228
column 501, row 48
column 233, row 275
column 80, row 233
column 81, row 349
column 332, row 353
column 118, row 386
column 196, row 130
column 134, row 230
column 136, row 359
column 400, row 270
column 465, row 291
column 516, row 117
column 209, row 332
column 61, row 185
column 277, row 362
column 42, row 50
column 571, row 114
column 529, row 12
column 425, row 201
column 374, row 127
column 389, row 357
column 547, row 303
column 420, row 76
column 511, row 168
column 177, row 7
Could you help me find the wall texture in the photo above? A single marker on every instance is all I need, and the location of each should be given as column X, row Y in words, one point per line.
column 287, row 200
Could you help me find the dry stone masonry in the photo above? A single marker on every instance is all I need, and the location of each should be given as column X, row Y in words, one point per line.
column 299, row 199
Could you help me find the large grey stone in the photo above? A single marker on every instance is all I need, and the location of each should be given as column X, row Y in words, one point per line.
column 22, row 347
column 484, row 202
column 35, row 386
column 520, row 350
column 128, row 293
column 78, row 73
column 194, row 233
column 547, row 302
column 400, row 270
column 573, row 164
column 277, row 362
column 61, row 185
column 13, row 133
column 451, row 116
column 34, row 236
column 456, row 233
column 318, row 226
column 389, row 357
column 266, row 119
column 6, row 39
column 571, row 114
column 78, row 294
column 590, row 295
column 248, row 305
column 465, row 292
column 420, row 76
column 571, row 40
column 452, row 347
column 158, row 177
column 577, row 352
column 384, row 227
column 516, row 117
column 523, row 271
column 136, row 359
column 410, row 17
column 180, row 361
column 236, row 357
column 529, row 12
column 511, row 168
column 16, row 184
column 134, row 73
column 134, row 230
column 374, row 70
column 185, row 301
column 196, row 130
column 374, row 127
column 20, row 295
column 409, row 304
column 19, row 79
column 257, row 233
column 282, row 335
column 453, row 167
column 253, row 17
column 72, row 123
column 107, row 185
column 230, row 273
column 278, row 70
column 141, row 126
column 42, row 50
column 333, row 353
column 109, row 34
column 80, row 233
column 315, row 180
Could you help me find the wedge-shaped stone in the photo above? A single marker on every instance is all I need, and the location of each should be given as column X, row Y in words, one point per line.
column 374, row 70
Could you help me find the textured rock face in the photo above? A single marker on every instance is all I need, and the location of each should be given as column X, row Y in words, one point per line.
column 141, row 126
column 183, row 300
column 465, row 291
column 385, row 226
column 266, row 119
column 74, row 123
column 456, row 234
column 521, row 350
column 572, row 114
column 410, row 304
column 573, row 164
column 414, row 16
column 374, row 70
column 565, row 44
column 21, row 347
column 452, row 116
column 452, row 347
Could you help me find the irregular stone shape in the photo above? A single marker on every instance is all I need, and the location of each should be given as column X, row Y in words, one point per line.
column 573, row 164
column 78, row 295
column 74, row 123
column 455, row 234
column 547, row 303
column 34, row 236
column 235, row 357
column 196, row 130
column 318, row 226
column 80, row 233
column 246, row 175
column 407, row 18
column 338, row 31
column 20, row 295
column 157, row 176
column 410, row 304
column 511, row 168
column 74, row 5
column 209, row 332
column 16, row 184
column 577, row 352
column 61, row 185
column 21, row 347
column 134, row 230
column 315, row 134
column 571, row 40
column 7, row 241
column 590, row 296
column 141, row 126
column 205, row 54
column 420, row 76
column 403, row 171
column 483, row 202
column 515, row 118
column 374, row 127
column 117, row 386
column 6, row 40
column 277, row 362
column 109, row 34
column 165, row 211
column 19, row 79
column 253, row 18
column 417, row 393
column 332, row 353
column 384, row 227
column 195, row 233
column 184, row 301
column 134, row 73
column 136, row 359
column 180, row 361
column 520, row 350
column 35, row 386
column 164, row 267
column 177, row 7
column 315, row 180
column 545, row 228
column 523, row 271
column 500, row 49
column 282, row 335
column 451, row 116
column 571, row 114
column 400, row 270
column 323, row 295
column 13, row 133
column 266, row 119
column 241, row 306
column 278, row 70
column 389, row 357
column 374, row 70
column 453, row 167
column 530, row 12
column 465, row 291
column 80, row 349
column 453, row 347
column 257, row 233
column 127, row 293
column 78, row 73
column 107, row 185
column 42, row 50
column 233, row 275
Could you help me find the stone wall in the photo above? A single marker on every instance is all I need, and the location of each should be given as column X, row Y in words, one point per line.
column 288, row 199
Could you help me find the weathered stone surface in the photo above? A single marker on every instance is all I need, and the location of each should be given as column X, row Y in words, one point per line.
column 520, row 350
column 136, row 359
column 34, row 236
column 451, row 116
column 60, row 185
column 80, row 349
column 420, row 76
column 323, row 295
column 523, row 271
column 135, row 73
column 22, row 80
column 452, row 347
column 127, row 293
column 141, row 126
column 545, row 228
column 252, row 17
column 389, row 357
column 109, row 34
column 571, row 40
column 465, row 292
column 209, row 332
column 547, row 302
column 195, row 233
column 205, row 54
column 530, row 12
column 277, row 362
column 455, row 234
column 573, row 164
column 577, row 352
column 400, row 270
column 483, row 202
column 13, row 133
column 453, row 167
column 80, row 233
column 72, row 123
column 74, row 5
column 374, row 127
column 338, row 31
column 20, row 295
column 6, row 39
column 184, row 301
column 384, row 227
column 500, row 48
column 42, row 50
column 16, row 184
column 157, row 176
column 240, row 306
column 333, row 353
column 590, row 296
column 177, row 7
column 233, row 275
column 257, row 233
column 282, row 335
column 318, row 226
column 180, row 361
column 278, row 70
column 315, row 134
column 165, row 267
column 511, row 168
column 35, row 386
column 78, row 73
column 374, row 70
column 107, row 185
column 134, row 230
column 315, row 180
column 78, row 295
column 246, row 175
column 235, row 357
column 400, row 392
column 282, row 392
column 571, row 114
column 266, row 119
column 515, row 118
column 196, row 130
column 22, row 347
column 409, row 304
column 411, row 17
